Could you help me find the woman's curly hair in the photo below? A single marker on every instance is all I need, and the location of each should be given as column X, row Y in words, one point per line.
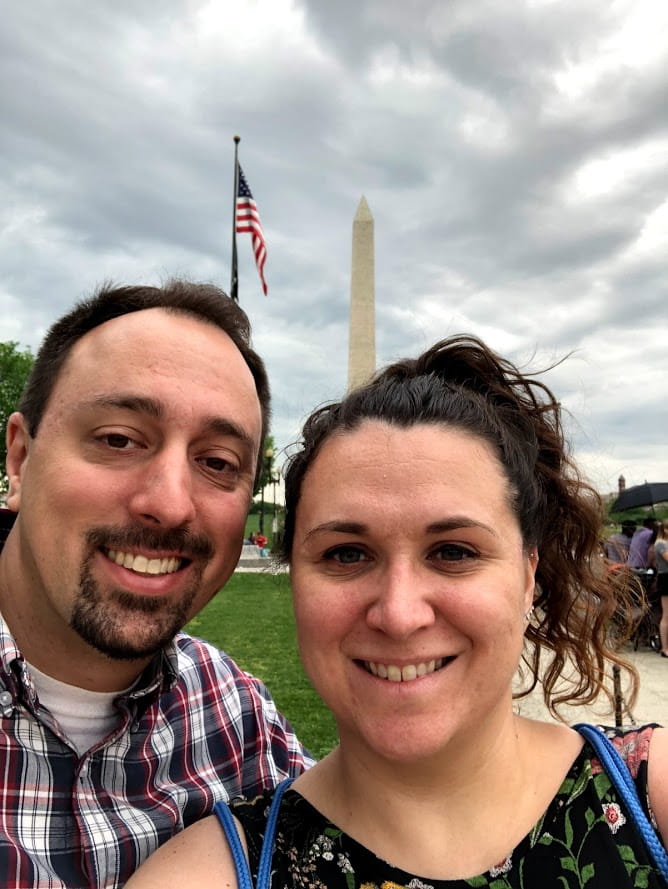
column 461, row 383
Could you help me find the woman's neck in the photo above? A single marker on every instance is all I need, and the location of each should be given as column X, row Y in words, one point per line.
column 479, row 797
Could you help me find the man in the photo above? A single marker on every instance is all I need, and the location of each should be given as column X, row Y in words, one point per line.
column 640, row 543
column 131, row 466
column 617, row 545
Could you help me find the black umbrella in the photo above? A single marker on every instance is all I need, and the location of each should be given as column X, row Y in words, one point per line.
column 641, row 495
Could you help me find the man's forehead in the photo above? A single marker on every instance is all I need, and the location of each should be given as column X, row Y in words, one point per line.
column 154, row 348
column 154, row 322
column 141, row 341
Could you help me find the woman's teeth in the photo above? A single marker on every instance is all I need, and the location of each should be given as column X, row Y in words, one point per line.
column 404, row 674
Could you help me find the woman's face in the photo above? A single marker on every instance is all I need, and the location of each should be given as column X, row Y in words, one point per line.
column 411, row 584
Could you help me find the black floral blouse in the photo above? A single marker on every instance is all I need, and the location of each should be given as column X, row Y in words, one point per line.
column 586, row 838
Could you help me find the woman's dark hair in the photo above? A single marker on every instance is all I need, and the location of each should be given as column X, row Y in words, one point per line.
column 461, row 383
column 205, row 302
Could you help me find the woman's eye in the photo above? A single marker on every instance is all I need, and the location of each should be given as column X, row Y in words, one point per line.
column 452, row 552
column 346, row 555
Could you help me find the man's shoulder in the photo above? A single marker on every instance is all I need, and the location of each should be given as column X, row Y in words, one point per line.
column 200, row 661
column 190, row 649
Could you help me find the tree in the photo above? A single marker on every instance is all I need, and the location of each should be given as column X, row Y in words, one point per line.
column 268, row 455
column 15, row 365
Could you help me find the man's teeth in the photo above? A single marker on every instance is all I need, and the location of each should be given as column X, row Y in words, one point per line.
column 142, row 565
column 403, row 674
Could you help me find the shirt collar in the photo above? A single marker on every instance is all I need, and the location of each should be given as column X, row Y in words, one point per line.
column 159, row 676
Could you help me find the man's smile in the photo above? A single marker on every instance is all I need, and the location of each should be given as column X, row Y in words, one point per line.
column 144, row 565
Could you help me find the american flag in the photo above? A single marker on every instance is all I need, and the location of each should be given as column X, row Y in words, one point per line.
column 248, row 220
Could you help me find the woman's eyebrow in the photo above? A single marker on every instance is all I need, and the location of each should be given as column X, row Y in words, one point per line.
column 343, row 527
column 454, row 523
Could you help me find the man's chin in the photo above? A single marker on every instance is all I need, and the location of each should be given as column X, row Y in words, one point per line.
column 124, row 649
column 120, row 640
column 124, row 626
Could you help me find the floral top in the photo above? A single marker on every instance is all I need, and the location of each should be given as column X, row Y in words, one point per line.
column 584, row 839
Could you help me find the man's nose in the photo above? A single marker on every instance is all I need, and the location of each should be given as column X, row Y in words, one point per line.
column 164, row 493
column 402, row 602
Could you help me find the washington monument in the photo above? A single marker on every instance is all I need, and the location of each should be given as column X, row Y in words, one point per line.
column 362, row 335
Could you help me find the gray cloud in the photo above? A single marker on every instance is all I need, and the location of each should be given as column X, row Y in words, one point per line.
column 513, row 155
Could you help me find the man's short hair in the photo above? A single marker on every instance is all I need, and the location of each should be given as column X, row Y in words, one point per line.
column 204, row 302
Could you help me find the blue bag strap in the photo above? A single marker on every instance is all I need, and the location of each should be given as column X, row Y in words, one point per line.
column 264, row 868
column 618, row 772
column 229, row 825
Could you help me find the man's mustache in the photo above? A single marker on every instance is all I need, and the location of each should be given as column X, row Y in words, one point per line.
column 185, row 543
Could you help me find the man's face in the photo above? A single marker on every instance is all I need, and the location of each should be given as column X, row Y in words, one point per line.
column 133, row 494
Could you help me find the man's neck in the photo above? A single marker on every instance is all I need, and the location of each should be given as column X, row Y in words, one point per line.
column 85, row 717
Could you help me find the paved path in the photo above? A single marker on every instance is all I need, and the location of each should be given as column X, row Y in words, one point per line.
column 651, row 705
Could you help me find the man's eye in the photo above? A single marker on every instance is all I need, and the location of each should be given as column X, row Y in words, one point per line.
column 452, row 552
column 346, row 555
column 219, row 465
column 116, row 440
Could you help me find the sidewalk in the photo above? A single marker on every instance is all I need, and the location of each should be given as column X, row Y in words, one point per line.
column 651, row 705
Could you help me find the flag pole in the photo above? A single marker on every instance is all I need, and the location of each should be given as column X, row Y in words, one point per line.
column 234, row 277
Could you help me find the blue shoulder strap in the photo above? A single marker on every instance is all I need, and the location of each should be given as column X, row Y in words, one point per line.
column 618, row 772
column 264, row 868
column 244, row 879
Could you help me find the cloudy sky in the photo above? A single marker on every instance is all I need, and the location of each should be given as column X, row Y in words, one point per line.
column 514, row 154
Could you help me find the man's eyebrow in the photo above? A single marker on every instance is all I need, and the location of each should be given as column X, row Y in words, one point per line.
column 142, row 404
column 224, row 427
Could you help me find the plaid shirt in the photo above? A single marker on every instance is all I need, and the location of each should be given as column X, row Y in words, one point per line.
column 196, row 729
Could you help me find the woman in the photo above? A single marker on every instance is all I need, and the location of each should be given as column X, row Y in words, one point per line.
column 437, row 535
column 660, row 559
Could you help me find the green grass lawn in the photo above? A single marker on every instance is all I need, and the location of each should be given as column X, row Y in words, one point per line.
column 251, row 619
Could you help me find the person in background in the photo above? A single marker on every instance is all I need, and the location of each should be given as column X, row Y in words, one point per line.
column 439, row 536
column 131, row 465
column 640, row 544
column 616, row 547
column 659, row 561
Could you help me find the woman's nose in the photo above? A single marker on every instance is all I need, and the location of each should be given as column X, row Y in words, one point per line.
column 402, row 602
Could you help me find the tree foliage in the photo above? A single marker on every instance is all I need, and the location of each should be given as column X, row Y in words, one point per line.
column 269, row 471
column 15, row 365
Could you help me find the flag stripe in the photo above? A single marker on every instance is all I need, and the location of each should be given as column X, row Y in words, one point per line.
column 248, row 220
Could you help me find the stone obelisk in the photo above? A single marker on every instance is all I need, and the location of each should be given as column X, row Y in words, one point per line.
column 362, row 335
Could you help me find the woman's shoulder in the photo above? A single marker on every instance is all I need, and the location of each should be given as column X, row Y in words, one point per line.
column 632, row 744
column 196, row 857
column 657, row 780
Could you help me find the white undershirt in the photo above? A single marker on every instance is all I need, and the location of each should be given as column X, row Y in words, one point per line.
column 85, row 717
